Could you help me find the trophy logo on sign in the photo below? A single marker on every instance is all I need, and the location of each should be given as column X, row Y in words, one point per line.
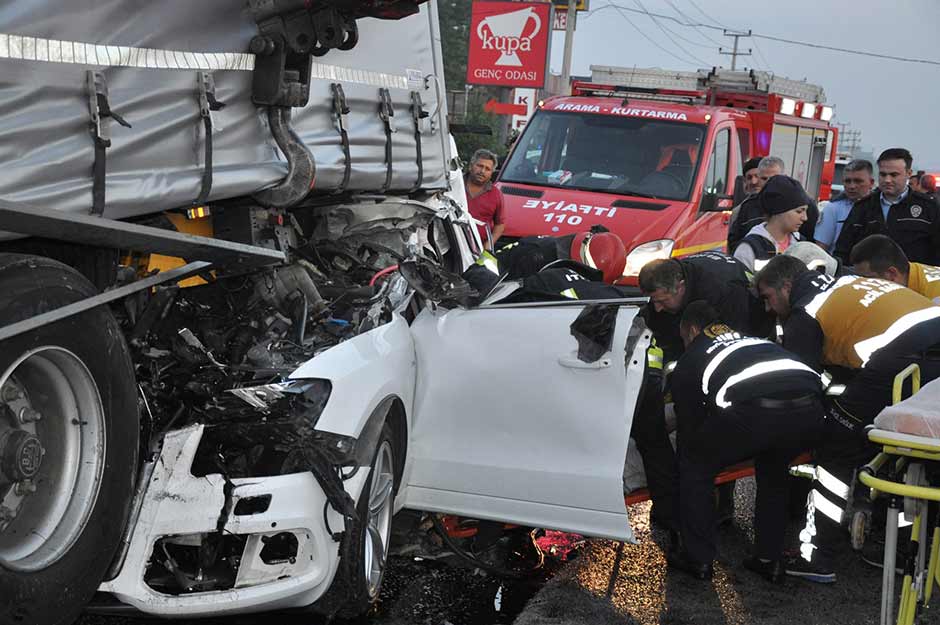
column 506, row 34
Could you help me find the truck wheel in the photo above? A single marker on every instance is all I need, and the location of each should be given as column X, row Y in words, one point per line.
column 365, row 551
column 69, row 431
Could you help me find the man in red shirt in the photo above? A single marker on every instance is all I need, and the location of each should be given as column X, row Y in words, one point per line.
column 485, row 200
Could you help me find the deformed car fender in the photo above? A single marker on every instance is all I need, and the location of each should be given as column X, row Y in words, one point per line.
column 364, row 372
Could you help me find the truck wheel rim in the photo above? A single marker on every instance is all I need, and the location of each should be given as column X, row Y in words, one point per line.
column 379, row 525
column 45, row 518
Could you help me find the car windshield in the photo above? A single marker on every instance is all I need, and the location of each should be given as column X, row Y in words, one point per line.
column 608, row 154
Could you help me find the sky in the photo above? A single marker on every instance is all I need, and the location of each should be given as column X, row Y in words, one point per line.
column 892, row 103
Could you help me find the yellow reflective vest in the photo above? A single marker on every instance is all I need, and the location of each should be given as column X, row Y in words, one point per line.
column 925, row 279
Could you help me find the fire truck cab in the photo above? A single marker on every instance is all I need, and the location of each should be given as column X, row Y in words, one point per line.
column 655, row 156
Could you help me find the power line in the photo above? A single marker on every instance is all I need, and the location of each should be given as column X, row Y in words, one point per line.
column 761, row 55
column 671, row 18
column 663, row 29
column 689, row 19
column 621, row 10
column 875, row 55
column 706, row 15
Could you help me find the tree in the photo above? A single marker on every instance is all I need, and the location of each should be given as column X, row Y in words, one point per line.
column 455, row 35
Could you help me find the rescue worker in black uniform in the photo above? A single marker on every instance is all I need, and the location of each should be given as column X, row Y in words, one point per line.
column 672, row 284
column 912, row 219
column 864, row 331
column 567, row 279
column 738, row 398
column 722, row 281
column 596, row 248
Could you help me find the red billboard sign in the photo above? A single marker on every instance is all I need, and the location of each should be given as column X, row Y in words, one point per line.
column 509, row 43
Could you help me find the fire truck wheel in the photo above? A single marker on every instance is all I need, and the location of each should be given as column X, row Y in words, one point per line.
column 69, row 431
column 364, row 553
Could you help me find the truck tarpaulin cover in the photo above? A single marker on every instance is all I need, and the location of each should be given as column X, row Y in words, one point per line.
column 150, row 54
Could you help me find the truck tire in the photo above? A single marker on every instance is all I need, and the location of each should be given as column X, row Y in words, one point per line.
column 364, row 553
column 69, row 432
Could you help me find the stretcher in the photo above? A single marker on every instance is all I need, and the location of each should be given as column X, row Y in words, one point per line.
column 730, row 474
column 906, row 472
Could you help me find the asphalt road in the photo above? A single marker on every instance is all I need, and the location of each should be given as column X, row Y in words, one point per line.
column 613, row 583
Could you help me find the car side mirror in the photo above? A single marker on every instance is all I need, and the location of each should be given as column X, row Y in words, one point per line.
column 716, row 202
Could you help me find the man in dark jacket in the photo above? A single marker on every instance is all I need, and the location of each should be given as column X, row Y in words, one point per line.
column 672, row 284
column 894, row 209
column 738, row 398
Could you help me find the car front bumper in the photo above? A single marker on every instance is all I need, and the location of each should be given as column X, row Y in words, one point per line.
column 178, row 504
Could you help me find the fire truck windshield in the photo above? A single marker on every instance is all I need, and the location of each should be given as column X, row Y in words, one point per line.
column 607, row 154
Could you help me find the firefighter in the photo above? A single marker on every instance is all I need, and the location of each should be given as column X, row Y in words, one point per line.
column 894, row 209
column 864, row 331
column 877, row 256
column 597, row 248
column 784, row 203
column 738, row 398
column 672, row 284
column 750, row 213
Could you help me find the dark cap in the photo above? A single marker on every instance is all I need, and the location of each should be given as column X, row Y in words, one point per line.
column 751, row 163
column 780, row 194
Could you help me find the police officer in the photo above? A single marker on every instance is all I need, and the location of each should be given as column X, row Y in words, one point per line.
column 877, row 256
column 894, row 209
column 672, row 284
column 596, row 248
column 738, row 398
column 864, row 331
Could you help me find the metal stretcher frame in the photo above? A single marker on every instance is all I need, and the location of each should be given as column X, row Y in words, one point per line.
column 917, row 584
column 730, row 474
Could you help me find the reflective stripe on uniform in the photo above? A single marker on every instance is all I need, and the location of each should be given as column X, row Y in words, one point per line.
column 821, row 504
column 570, row 294
column 761, row 368
column 866, row 348
column 816, row 303
column 717, row 360
column 831, row 483
column 488, row 261
column 654, row 357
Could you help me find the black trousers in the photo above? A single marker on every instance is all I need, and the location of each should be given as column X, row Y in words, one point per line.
column 659, row 458
column 846, row 446
column 773, row 437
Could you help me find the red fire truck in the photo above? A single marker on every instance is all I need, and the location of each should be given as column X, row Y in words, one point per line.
column 656, row 156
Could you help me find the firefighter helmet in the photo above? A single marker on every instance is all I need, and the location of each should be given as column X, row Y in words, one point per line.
column 603, row 251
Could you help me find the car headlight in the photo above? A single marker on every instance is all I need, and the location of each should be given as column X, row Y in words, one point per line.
column 643, row 254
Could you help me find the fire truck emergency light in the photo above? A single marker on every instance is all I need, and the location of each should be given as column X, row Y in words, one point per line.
column 809, row 110
column 787, row 106
column 826, row 113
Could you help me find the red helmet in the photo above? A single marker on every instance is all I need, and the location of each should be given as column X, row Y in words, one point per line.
column 603, row 250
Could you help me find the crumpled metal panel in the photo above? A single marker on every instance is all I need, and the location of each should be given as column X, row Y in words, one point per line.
column 47, row 152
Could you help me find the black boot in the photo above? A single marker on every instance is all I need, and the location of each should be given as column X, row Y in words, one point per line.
column 679, row 559
column 771, row 570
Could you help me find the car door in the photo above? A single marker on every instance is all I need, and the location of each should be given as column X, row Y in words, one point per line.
column 510, row 425
column 709, row 229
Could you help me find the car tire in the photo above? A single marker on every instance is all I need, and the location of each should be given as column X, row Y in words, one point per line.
column 86, row 421
column 364, row 552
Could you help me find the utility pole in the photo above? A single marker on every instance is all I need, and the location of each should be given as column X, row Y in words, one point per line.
column 734, row 54
column 572, row 18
